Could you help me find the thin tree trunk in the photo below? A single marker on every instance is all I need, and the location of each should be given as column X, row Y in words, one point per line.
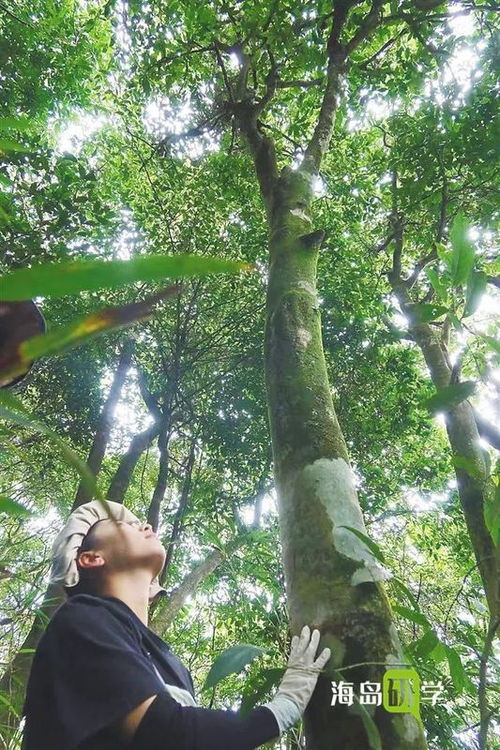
column 163, row 469
column 463, row 436
column 15, row 677
column 181, row 510
column 123, row 475
column 462, row 424
column 101, row 437
column 166, row 613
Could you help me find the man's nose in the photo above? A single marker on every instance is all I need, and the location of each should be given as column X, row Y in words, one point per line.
column 147, row 527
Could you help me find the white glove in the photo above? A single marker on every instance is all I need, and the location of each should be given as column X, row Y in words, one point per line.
column 299, row 680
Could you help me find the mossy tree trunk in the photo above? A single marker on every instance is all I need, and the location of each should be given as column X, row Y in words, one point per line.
column 333, row 582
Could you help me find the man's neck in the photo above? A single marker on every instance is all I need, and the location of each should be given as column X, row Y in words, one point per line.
column 131, row 588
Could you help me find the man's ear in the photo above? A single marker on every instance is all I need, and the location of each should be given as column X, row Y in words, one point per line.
column 90, row 559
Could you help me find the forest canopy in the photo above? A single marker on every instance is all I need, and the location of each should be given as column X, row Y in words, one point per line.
column 250, row 289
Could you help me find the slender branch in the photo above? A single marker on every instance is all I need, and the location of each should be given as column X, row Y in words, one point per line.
column 383, row 48
column 321, row 137
column 370, row 23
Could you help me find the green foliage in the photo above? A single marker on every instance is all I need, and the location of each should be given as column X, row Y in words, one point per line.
column 56, row 280
column 231, row 661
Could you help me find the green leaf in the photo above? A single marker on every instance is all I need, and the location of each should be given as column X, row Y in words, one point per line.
column 231, row 661
column 15, row 123
column 413, row 615
column 445, row 255
column 402, row 587
column 437, row 282
column 369, row 542
column 491, row 513
column 424, row 313
column 457, row 671
column 457, row 325
column 58, row 279
column 423, row 646
column 450, row 396
column 7, row 144
column 463, row 253
column 13, row 508
column 476, row 286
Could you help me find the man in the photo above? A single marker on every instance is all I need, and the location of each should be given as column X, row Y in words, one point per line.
column 102, row 680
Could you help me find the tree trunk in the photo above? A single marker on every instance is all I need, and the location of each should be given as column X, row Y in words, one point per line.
column 179, row 516
column 15, row 677
column 166, row 612
column 123, row 474
column 464, row 441
column 101, row 437
column 333, row 582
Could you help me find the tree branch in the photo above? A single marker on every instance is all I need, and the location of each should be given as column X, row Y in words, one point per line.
column 321, row 137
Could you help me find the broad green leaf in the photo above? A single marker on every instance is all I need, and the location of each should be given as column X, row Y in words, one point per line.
column 457, row 671
column 12, row 507
column 15, row 123
column 445, row 255
column 7, row 144
column 457, row 325
column 437, row 281
column 369, row 542
column 423, row 646
column 231, row 661
column 58, row 279
column 450, row 396
column 4, row 180
column 413, row 615
column 476, row 285
column 73, row 334
column 491, row 513
column 463, row 253
column 425, row 313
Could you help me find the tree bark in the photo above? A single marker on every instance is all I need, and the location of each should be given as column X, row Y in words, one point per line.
column 333, row 582
column 123, row 475
column 101, row 437
column 463, row 435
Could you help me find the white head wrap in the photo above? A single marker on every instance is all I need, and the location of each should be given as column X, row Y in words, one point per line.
column 64, row 550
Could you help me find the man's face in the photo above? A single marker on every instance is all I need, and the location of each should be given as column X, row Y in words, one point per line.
column 125, row 545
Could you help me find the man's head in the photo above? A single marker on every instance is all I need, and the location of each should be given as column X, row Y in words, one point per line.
column 112, row 547
column 103, row 542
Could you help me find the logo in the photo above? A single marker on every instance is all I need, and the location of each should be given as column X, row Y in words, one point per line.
column 401, row 691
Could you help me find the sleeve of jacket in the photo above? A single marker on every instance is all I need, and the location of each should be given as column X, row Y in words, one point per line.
column 167, row 725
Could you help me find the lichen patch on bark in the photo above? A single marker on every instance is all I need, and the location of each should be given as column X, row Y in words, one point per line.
column 332, row 481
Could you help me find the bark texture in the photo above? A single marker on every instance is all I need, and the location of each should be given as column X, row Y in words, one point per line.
column 333, row 582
